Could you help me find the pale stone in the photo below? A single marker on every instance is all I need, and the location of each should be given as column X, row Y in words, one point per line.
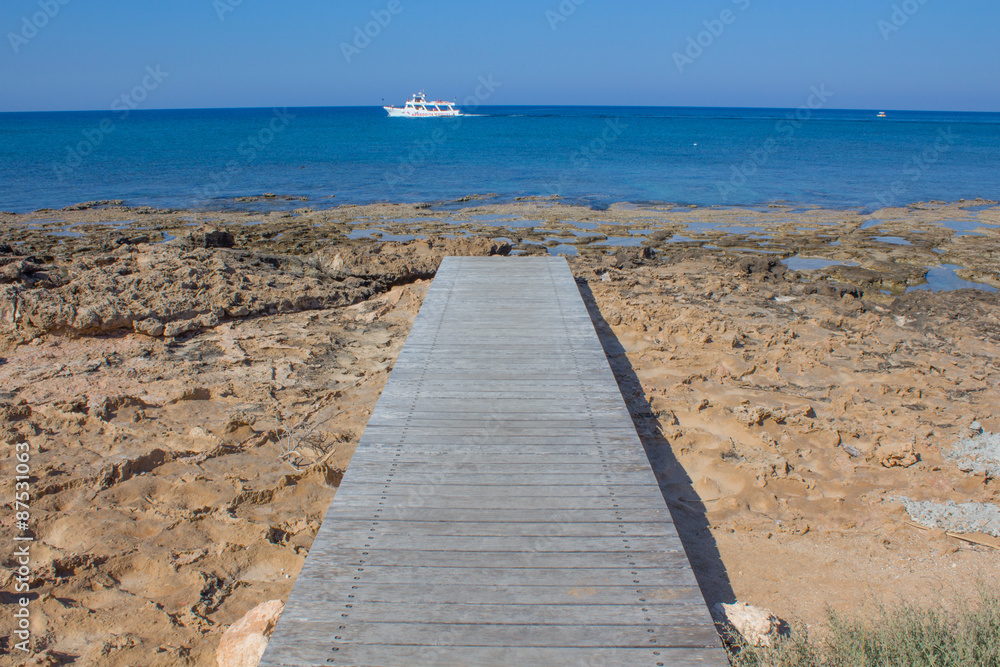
column 243, row 644
column 757, row 626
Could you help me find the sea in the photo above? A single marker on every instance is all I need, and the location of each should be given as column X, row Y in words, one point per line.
column 594, row 156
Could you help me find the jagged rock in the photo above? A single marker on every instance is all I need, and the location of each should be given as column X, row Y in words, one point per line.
column 896, row 454
column 11, row 413
column 243, row 644
column 126, row 468
column 83, row 206
column 106, row 408
column 219, row 239
column 171, row 290
column 239, row 419
column 748, row 416
column 760, row 268
column 150, row 327
column 399, row 263
column 192, row 394
column 629, row 257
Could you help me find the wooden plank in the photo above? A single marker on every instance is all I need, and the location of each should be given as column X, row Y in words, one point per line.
column 528, row 635
column 499, row 508
column 428, row 500
column 336, row 601
column 414, row 530
column 402, row 476
column 676, row 567
column 442, row 488
column 335, row 555
column 542, row 542
column 529, row 513
column 540, row 614
column 417, row 452
column 559, row 466
column 516, row 463
column 417, row 437
column 305, row 652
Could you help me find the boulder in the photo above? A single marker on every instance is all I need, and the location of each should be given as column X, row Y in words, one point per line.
column 243, row 644
column 758, row 627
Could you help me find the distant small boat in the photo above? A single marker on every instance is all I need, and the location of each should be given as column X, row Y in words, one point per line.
column 881, row 114
column 419, row 106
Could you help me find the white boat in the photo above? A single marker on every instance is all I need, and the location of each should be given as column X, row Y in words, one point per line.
column 881, row 114
column 419, row 106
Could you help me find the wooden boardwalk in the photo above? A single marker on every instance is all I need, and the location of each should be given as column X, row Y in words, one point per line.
column 500, row 509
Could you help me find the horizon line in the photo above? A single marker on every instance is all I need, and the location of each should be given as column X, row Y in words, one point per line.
column 567, row 106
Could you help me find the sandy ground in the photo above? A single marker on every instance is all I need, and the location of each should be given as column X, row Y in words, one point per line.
column 799, row 421
column 189, row 406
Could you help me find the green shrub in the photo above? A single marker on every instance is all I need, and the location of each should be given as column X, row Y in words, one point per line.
column 903, row 636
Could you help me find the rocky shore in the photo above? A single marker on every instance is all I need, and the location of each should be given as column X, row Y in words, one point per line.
column 191, row 385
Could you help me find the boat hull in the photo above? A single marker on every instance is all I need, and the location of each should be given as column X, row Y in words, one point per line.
column 396, row 112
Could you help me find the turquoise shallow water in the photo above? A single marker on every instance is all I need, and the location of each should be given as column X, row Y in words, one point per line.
column 591, row 155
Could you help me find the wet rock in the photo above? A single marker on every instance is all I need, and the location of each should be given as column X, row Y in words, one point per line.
column 269, row 196
column 885, row 275
column 83, row 206
column 129, row 240
column 533, row 249
column 219, row 239
column 760, row 268
column 243, row 644
column 630, row 257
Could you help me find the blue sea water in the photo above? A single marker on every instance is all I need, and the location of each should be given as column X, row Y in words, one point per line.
column 590, row 155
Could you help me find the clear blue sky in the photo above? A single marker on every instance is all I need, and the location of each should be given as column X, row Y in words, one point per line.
column 945, row 56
